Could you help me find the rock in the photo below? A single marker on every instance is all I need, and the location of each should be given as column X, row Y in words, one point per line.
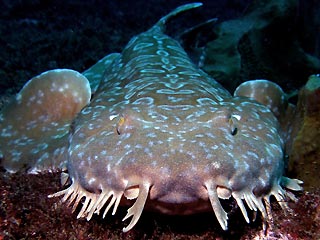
column 261, row 44
column 305, row 150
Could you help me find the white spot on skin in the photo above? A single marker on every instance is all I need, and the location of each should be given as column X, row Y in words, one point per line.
column 253, row 154
column 91, row 180
column 263, row 182
column 80, row 155
column 43, row 158
column 215, row 147
column 267, row 174
column 230, row 154
column 246, row 166
column 216, row 165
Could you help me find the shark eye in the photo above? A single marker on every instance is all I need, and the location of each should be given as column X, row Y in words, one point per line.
column 234, row 131
column 120, row 125
column 234, row 123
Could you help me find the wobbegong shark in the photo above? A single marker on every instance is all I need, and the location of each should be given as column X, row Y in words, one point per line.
column 147, row 128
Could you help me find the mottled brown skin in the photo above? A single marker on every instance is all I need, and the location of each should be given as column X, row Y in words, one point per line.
column 160, row 130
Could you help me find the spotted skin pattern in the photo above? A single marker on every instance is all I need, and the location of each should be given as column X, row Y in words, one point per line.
column 160, row 131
